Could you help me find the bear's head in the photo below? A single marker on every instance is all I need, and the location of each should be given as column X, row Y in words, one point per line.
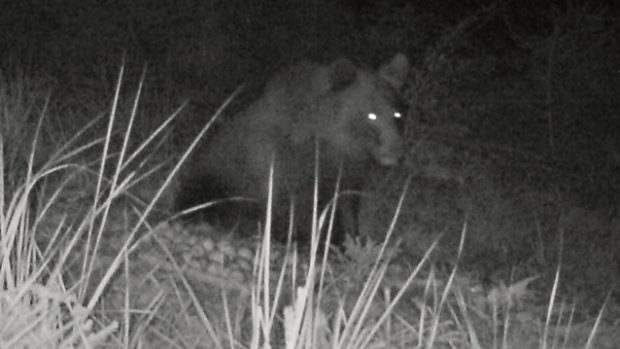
column 369, row 110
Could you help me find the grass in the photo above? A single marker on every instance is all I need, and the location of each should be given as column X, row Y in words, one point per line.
column 101, row 275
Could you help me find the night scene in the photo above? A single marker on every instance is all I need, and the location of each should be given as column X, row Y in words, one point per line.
column 310, row 174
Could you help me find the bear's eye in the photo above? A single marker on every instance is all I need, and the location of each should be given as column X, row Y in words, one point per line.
column 372, row 116
column 397, row 115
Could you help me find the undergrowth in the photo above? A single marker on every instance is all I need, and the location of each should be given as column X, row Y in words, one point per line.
column 71, row 277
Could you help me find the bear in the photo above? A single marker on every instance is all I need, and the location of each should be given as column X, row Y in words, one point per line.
column 343, row 117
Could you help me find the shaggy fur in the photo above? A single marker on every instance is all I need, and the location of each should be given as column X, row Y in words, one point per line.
column 350, row 112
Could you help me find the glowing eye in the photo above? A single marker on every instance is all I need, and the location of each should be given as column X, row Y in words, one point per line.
column 398, row 115
column 372, row 116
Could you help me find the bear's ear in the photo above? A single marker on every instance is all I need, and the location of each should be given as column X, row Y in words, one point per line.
column 395, row 72
column 341, row 74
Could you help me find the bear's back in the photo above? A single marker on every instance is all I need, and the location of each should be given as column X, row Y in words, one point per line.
column 281, row 121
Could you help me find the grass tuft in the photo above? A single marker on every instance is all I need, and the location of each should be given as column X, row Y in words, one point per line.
column 93, row 271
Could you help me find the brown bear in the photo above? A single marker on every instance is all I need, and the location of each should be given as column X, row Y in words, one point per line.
column 351, row 116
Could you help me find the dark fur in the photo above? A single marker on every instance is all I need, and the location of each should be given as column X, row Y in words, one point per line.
column 302, row 106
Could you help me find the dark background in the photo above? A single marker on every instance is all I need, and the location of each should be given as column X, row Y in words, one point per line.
column 514, row 104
